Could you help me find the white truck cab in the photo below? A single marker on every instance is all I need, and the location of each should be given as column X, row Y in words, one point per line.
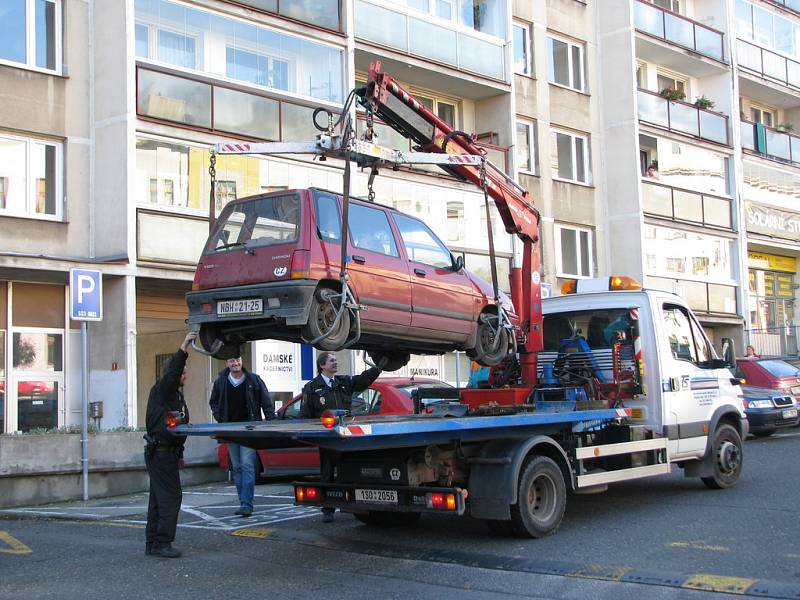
column 681, row 389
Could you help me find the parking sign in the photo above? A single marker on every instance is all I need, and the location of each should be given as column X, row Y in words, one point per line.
column 85, row 295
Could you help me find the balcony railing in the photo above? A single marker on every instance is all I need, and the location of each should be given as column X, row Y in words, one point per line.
column 416, row 35
column 774, row 144
column 768, row 64
column 775, row 341
column 676, row 29
column 682, row 117
column 793, row 5
column 699, row 295
column 685, row 205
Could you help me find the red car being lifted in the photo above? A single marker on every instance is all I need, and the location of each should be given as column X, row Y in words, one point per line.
column 386, row 396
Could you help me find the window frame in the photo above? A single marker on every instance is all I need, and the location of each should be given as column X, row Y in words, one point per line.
column 31, row 181
column 530, row 128
column 587, row 157
column 558, row 228
column 30, row 40
column 571, row 44
column 436, row 99
column 527, row 30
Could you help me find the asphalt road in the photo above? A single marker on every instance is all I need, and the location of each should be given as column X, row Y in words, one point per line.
column 662, row 537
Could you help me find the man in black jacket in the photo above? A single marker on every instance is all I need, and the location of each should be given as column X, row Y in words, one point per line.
column 163, row 455
column 237, row 396
column 329, row 391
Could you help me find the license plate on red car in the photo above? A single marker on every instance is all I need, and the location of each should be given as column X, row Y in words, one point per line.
column 245, row 306
column 377, row 496
column 790, row 413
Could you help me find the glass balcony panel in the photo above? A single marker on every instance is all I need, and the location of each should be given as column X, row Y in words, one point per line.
column 432, row 41
column 659, row 283
column 247, row 114
column 381, row 25
column 678, row 31
column 166, row 97
column 748, row 135
column 795, row 148
column 649, row 19
column 297, row 123
column 717, row 211
column 749, row 56
column 480, row 56
column 793, row 73
column 695, row 294
column 657, row 199
column 683, row 118
column 688, row 206
column 778, row 144
column 324, row 13
column 793, row 4
column 721, row 298
column 708, row 42
column 653, row 109
column 774, row 66
column 713, row 127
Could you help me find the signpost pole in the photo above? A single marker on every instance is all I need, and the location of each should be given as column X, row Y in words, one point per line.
column 84, row 412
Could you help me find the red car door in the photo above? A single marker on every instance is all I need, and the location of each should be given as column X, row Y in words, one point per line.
column 442, row 297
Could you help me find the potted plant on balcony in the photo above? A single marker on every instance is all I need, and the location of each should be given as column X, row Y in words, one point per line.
column 704, row 103
column 787, row 127
column 671, row 94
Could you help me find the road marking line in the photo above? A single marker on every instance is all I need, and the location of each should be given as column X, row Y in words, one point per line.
column 203, row 516
column 699, row 546
column 253, row 532
column 14, row 545
column 718, row 583
column 606, row 572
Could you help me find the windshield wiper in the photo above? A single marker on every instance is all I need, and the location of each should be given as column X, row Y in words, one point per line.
column 244, row 245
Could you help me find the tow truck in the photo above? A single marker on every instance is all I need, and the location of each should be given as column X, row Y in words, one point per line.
column 607, row 382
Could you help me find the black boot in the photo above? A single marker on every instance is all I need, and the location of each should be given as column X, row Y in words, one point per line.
column 166, row 551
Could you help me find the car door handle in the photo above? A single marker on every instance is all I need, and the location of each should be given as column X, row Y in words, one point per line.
column 420, row 272
column 359, row 259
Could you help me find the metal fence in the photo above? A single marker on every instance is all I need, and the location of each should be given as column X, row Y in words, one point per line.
column 775, row 341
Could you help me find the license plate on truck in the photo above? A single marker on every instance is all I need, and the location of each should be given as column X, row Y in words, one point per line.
column 245, row 306
column 377, row 496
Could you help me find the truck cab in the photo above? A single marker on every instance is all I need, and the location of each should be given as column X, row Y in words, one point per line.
column 668, row 372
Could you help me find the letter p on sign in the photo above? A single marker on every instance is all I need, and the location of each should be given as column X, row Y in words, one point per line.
column 86, row 295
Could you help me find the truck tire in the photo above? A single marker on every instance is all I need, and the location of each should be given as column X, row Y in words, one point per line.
column 383, row 518
column 726, row 454
column 485, row 353
column 541, row 498
column 321, row 316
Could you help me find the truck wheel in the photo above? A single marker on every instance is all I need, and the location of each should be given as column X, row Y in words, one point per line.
column 324, row 307
column 383, row 518
column 726, row 452
column 389, row 361
column 484, row 352
column 541, row 498
column 209, row 336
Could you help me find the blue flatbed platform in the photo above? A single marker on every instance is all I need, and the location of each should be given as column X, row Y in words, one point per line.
column 376, row 433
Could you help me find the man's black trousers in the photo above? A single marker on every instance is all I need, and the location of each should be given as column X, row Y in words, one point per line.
column 165, row 496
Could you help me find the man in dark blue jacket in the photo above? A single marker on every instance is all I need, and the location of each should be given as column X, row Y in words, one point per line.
column 238, row 396
column 163, row 455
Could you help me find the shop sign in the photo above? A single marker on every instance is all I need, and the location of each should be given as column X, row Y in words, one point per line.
column 425, row 366
column 771, row 262
column 772, row 221
column 278, row 364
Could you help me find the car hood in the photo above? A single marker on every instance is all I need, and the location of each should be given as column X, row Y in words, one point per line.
column 759, row 393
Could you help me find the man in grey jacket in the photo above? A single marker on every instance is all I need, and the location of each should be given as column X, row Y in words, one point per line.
column 239, row 396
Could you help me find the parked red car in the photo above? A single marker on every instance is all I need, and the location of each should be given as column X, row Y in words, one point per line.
column 770, row 373
column 270, row 269
column 386, row 396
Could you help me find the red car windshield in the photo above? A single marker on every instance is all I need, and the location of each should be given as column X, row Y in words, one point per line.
column 257, row 222
column 780, row 368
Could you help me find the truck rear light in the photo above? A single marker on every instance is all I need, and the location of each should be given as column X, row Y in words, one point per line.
column 442, row 501
column 307, row 493
column 328, row 419
column 173, row 418
column 299, row 269
column 206, row 308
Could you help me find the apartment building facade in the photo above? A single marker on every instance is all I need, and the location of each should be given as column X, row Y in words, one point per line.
column 113, row 106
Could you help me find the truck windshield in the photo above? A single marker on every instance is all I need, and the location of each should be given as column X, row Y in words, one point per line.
column 257, row 222
column 599, row 328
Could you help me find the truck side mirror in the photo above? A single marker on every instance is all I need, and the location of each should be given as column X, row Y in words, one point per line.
column 729, row 352
column 458, row 263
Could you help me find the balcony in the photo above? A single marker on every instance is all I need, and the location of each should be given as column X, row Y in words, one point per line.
column 771, row 143
column 682, row 117
column 687, row 206
column 430, row 38
column 700, row 296
column 768, row 64
column 678, row 30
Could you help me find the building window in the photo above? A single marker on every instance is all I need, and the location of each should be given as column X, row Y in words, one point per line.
column 526, row 147
column 455, row 221
column 522, row 49
column 672, row 82
column 673, row 5
column 765, row 116
column 570, row 157
column 30, row 177
column 225, row 192
column 565, row 63
column 30, row 33
column 443, row 108
column 575, row 257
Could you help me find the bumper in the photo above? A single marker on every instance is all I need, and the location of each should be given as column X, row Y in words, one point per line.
column 286, row 300
column 764, row 419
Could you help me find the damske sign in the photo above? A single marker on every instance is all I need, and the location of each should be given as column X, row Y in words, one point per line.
column 772, row 221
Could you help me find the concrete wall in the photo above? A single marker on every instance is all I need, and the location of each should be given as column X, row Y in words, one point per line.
column 37, row 469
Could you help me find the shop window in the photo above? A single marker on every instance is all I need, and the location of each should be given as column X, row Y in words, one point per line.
column 38, row 305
